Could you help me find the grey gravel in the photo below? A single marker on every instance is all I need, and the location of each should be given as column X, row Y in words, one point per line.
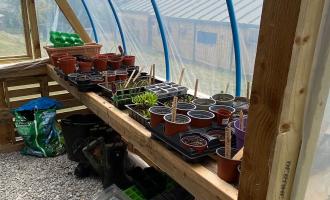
column 27, row 177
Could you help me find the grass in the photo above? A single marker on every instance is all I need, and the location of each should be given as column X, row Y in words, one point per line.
column 12, row 44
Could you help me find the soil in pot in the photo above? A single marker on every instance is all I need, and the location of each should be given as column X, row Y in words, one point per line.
column 183, row 108
column 101, row 63
column 182, row 98
column 223, row 116
column 227, row 168
column 115, row 62
column 157, row 114
column 195, row 142
column 181, row 124
column 85, row 66
column 128, row 60
column 214, row 109
column 224, row 99
column 200, row 118
column 67, row 64
column 203, row 104
column 240, row 132
column 121, row 76
column 56, row 56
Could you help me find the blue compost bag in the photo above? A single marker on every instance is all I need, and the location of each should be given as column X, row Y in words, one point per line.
column 36, row 123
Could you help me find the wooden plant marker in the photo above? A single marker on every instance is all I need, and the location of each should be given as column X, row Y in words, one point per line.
column 228, row 142
column 130, row 78
column 196, row 88
column 248, row 91
column 227, row 87
column 138, row 74
column 153, row 73
column 181, row 76
column 241, row 121
column 150, row 75
column 174, row 105
column 239, row 154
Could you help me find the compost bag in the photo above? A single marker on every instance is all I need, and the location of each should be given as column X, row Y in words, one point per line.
column 36, row 123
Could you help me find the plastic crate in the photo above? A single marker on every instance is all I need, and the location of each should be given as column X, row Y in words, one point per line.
column 134, row 193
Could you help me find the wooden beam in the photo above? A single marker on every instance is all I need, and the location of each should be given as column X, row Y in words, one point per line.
column 317, row 98
column 283, row 64
column 34, row 32
column 73, row 20
column 26, row 28
column 197, row 179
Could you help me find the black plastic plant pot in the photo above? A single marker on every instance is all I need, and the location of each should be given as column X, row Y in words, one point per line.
column 224, row 99
column 195, row 142
column 201, row 118
column 157, row 114
column 203, row 104
column 83, row 80
column 183, row 107
column 180, row 124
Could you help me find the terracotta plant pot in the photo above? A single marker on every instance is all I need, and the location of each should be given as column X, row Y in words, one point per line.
column 223, row 117
column 195, row 142
column 121, row 76
column 181, row 124
column 111, row 76
column 128, row 60
column 240, row 133
column 101, row 63
column 203, row 104
column 214, row 109
column 109, row 55
column 200, row 118
column 227, row 168
column 115, row 62
column 55, row 56
column 183, row 108
column 85, row 66
column 157, row 114
column 224, row 99
column 67, row 64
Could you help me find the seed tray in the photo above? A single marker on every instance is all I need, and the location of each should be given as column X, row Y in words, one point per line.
column 121, row 100
column 107, row 90
column 170, row 99
column 167, row 89
column 137, row 116
column 189, row 155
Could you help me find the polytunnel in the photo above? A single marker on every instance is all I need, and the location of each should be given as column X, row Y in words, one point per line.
column 164, row 99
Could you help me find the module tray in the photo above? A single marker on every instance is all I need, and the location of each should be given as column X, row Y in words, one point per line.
column 167, row 89
column 190, row 155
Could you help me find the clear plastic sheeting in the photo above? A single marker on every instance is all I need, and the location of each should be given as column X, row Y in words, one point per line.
column 50, row 18
column 199, row 39
column 319, row 181
column 104, row 22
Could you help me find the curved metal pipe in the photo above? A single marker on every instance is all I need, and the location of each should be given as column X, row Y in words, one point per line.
column 119, row 26
column 91, row 20
column 164, row 40
column 237, row 48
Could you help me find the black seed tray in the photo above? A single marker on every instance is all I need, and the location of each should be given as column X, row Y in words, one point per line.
column 188, row 155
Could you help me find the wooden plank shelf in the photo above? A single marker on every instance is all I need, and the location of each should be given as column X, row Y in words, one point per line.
column 199, row 179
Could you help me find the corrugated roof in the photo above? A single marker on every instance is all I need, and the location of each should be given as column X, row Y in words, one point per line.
column 247, row 11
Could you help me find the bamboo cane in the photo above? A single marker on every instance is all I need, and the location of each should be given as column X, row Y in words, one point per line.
column 129, row 79
column 196, row 88
column 181, row 76
column 228, row 142
column 174, row 105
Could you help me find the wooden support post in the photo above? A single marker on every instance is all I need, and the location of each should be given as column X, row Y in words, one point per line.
column 73, row 20
column 44, row 90
column 6, row 123
column 32, row 16
column 280, row 83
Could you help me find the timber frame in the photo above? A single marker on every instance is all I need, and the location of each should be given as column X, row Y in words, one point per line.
column 291, row 69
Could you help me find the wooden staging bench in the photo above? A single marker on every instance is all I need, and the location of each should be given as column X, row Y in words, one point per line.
column 200, row 180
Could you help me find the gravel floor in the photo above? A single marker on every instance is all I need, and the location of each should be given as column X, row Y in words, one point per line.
column 26, row 177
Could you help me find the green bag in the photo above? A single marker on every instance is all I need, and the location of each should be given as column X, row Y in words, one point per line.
column 40, row 131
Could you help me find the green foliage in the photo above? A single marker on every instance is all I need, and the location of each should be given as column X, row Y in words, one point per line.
column 146, row 100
